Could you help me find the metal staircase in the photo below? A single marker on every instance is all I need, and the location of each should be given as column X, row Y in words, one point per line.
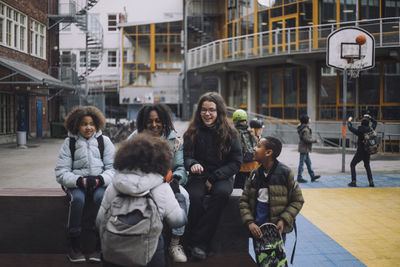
column 76, row 11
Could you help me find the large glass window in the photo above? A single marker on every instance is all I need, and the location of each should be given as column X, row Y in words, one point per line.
column 369, row 9
column 237, row 97
column 112, row 59
column 13, row 26
column 348, row 10
column 327, row 11
column 392, row 8
column 278, row 92
column 7, row 114
column 38, row 37
column 391, row 81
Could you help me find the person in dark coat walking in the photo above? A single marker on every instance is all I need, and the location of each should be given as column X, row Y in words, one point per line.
column 361, row 154
column 212, row 155
column 305, row 147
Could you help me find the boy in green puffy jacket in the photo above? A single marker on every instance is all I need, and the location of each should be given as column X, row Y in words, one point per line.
column 271, row 194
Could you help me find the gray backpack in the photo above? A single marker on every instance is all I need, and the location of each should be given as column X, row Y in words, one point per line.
column 130, row 230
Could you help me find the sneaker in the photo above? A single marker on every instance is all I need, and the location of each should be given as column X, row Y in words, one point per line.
column 371, row 184
column 198, row 253
column 95, row 257
column 177, row 254
column 352, row 184
column 315, row 178
column 75, row 256
column 301, row 180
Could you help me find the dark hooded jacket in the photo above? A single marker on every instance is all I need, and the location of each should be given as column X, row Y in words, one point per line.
column 305, row 136
column 360, row 131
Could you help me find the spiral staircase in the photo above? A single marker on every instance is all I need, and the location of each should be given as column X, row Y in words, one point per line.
column 76, row 11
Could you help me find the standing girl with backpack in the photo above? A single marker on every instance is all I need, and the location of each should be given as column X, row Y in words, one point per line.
column 84, row 169
column 156, row 120
column 361, row 154
column 213, row 155
column 131, row 234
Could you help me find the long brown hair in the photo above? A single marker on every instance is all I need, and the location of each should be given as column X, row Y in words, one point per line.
column 223, row 129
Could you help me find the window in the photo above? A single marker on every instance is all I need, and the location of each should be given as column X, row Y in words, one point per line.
column 6, row 114
column 112, row 59
column 38, row 37
column 12, row 28
column 112, row 22
column 82, row 59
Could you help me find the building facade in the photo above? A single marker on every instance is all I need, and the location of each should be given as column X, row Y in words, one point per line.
column 271, row 60
column 28, row 50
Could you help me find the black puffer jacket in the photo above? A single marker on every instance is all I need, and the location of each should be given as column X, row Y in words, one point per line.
column 205, row 151
column 360, row 131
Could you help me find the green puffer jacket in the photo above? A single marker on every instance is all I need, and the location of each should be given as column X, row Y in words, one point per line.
column 281, row 207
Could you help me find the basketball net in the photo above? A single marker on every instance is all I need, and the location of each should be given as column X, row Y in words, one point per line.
column 353, row 70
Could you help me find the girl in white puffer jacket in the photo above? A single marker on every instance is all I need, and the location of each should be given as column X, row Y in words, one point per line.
column 84, row 169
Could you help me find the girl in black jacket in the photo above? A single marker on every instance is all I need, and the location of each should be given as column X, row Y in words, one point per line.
column 212, row 155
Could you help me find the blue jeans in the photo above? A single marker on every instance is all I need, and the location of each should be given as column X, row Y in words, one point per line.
column 305, row 157
column 181, row 230
column 77, row 203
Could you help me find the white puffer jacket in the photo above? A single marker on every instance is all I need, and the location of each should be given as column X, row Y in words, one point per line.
column 87, row 160
column 137, row 183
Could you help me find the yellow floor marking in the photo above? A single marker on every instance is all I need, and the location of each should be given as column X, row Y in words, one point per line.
column 365, row 221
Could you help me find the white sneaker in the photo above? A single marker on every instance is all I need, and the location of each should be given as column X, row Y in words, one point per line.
column 177, row 253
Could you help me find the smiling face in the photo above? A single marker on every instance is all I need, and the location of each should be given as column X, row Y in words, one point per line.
column 154, row 124
column 208, row 113
column 87, row 127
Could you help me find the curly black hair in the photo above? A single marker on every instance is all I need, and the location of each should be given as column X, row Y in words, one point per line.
column 144, row 152
column 274, row 144
column 164, row 113
column 74, row 118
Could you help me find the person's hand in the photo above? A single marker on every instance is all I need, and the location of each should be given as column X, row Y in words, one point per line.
column 208, row 185
column 81, row 182
column 255, row 230
column 318, row 141
column 280, row 225
column 197, row 169
column 93, row 182
column 350, row 119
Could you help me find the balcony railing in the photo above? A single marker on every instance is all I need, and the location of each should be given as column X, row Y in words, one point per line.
column 289, row 41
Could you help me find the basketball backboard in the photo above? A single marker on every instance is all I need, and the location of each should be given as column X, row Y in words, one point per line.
column 350, row 48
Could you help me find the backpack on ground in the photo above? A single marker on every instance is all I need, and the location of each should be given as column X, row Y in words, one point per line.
column 130, row 230
column 248, row 142
column 371, row 142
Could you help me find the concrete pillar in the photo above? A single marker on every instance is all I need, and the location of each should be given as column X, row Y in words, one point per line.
column 312, row 91
column 251, row 90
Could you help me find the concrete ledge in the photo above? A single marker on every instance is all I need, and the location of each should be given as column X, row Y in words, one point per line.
column 34, row 221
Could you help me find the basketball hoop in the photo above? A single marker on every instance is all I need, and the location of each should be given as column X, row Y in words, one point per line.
column 354, row 65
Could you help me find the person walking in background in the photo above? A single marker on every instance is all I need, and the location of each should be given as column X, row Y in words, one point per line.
column 271, row 195
column 248, row 141
column 305, row 147
column 256, row 127
column 141, row 163
column 212, row 155
column 156, row 119
column 84, row 169
column 361, row 153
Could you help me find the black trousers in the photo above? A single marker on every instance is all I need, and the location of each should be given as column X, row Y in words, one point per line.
column 203, row 219
column 360, row 155
column 240, row 179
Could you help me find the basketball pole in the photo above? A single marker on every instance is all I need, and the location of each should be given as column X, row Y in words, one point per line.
column 344, row 120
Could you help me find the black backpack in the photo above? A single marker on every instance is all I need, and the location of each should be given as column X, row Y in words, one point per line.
column 248, row 142
column 72, row 142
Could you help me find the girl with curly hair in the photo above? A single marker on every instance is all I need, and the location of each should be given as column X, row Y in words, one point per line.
column 141, row 163
column 212, row 155
column 156, row 120
column 84, row 169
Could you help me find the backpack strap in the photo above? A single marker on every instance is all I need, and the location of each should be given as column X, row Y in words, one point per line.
column 72, row 142
column 100, row 141
column 294, row 223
